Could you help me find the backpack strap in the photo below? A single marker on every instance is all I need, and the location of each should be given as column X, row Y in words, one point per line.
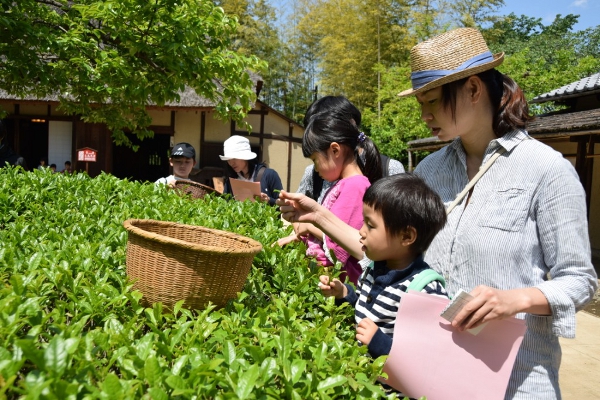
column 260, row 173
column 317, row 185
column 424, row 278
column 385, row 165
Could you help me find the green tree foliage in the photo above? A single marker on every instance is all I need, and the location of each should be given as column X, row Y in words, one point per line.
column 107, row 60
column 473, row 13
column 400, row 118
column 351, row 37
column 542, row 58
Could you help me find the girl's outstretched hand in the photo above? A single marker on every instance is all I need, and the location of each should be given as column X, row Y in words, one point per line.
column 334, row 288
column 297, row 207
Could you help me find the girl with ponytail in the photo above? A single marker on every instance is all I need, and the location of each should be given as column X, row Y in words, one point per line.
column 333, row 143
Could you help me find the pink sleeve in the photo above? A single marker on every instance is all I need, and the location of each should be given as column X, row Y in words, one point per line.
column 346, row 204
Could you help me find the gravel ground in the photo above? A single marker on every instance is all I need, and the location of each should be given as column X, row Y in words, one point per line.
column 594, row 306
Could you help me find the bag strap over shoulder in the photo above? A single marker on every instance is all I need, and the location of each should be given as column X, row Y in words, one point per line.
column 260, row 173
column 424, row 278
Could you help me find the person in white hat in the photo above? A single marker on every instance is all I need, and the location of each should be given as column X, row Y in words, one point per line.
column 241, row 164
column 517, row 233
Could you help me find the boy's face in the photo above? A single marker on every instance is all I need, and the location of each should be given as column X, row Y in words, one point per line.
column 377, row 243
column 182, row 166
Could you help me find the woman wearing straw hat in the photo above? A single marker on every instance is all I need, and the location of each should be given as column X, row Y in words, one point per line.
column 516, row 236
column 241, row 164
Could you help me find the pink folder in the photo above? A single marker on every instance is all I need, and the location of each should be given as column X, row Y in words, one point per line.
column 430, row 358
column 243, row 190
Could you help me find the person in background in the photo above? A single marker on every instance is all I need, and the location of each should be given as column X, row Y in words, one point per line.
column 311, row 183
column 67, row 169
column 241, row 164
column 43, row 164
column 182, row 160
column 53, row 167
column 518, row 240
column 7, row 154
column 332, row 143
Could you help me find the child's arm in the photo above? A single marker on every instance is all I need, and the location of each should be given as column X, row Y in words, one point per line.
column 378, row 343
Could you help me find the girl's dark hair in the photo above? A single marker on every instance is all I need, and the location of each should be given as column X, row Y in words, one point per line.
column 511, row 110
column 336, row 105
column 230, row 172
column 405, row 200
column 325, row 128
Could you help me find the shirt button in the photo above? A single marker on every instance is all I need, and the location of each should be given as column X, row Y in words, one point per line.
column 369, row 299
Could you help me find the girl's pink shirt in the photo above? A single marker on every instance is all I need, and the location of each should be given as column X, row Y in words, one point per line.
column 344, row 199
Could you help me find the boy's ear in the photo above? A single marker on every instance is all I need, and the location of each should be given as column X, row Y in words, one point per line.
column 408, row 236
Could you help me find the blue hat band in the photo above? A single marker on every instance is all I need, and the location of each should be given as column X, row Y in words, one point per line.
column 421, row 78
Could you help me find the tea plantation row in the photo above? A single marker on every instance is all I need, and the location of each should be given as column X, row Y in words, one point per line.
column 72, row 328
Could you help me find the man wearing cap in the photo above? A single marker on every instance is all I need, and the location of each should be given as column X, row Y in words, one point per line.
column 183, row 159
column 241, row 164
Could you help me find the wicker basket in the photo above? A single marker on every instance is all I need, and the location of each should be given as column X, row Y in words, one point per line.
column 197, row 190
column 169, row 262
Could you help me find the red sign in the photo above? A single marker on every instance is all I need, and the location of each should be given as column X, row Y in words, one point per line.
column 86, row 154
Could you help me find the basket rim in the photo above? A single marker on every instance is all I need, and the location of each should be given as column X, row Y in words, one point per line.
column 188, row 182
column 130, row 226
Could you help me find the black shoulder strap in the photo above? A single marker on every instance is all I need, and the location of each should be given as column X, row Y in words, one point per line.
column 385, row 165
column 317, row 184
column 260, row 173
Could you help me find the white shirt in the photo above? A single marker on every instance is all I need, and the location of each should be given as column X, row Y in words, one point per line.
column 526, row 219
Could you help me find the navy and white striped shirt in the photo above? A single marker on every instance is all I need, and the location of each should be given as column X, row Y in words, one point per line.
column 525, row 226
column 379, row 292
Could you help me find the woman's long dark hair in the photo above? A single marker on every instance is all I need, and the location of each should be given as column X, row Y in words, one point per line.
column 230, row 172
column 511, row 110
column 325, row 128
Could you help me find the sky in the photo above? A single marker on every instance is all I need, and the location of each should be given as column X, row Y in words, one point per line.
column 588, row 10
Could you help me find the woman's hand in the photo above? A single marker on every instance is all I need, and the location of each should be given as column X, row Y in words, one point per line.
column 334, row 288
column 297, row 207
column 264, row 198
column 365, row 330
column 489, row 304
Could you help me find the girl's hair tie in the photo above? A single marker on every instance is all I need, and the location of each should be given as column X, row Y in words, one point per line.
column 361, row 137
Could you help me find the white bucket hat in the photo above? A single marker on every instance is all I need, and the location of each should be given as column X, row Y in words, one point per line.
column 237, row 147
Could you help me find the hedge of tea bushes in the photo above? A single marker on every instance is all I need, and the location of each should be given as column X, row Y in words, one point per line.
column 72, row 328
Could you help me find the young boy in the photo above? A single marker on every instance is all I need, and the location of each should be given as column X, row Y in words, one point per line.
column 401, row 217
column 183, row 159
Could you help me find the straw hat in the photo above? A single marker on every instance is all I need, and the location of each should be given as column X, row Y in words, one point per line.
column 449, row 57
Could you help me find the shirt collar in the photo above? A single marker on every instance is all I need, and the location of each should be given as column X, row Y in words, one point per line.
column 509, row 141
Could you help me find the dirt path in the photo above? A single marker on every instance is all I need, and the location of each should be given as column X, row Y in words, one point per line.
column 594, row 306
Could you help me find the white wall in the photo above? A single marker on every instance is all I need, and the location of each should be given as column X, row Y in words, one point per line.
column 60, row 134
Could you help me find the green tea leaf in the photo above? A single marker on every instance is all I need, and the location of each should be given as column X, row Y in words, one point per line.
column 331, row 382
column 246, row 382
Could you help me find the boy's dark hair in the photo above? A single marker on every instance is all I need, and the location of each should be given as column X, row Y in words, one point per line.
column 405, row 200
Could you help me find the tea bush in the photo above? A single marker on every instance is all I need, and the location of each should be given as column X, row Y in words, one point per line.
column 72, row 328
